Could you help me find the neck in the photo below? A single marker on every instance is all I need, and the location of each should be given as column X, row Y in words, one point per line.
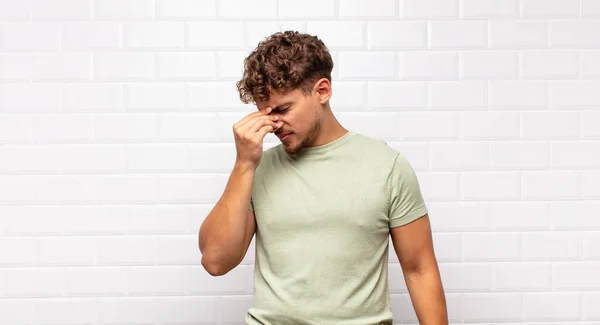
column 331, row 129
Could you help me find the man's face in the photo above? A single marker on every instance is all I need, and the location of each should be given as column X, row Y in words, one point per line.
column 300, row 115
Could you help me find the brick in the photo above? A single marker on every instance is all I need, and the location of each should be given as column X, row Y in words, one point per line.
column 518, row 94
column 589, row 184
column 213, row 95
column 15, row 129
column 394, row 95
column 530, row 155
column 188, row 127
column 34, row 282
column 575, row 215
column 202, row 188
column 212, row 157
column 490, row 125
column 590, row 119
column 17, row 311
column 292, row 9
column 124, row 10
column 128, row 310
column 19, row 190
column 30, row 97
column 552, row 246
column 90, row 36
column 522, row 276
column 66, row 190
column 579, row 34
column 447, row 247
column 259, row 30
column 167, row 9
column 519, row 216
column 554, row 125
column 383, row 126
column 178, row 249
column 590, row 302
column 123, row 66
column 371, row 65
column 452, row 156
column 15, row 67
column 549, row 64
column 489, row 9
column 92, row 97
column 156, row 157
column 457, row 95
column 66, row 311
column 96, row 281
column 489, row 65
column 555, row 306
column 590, row 8
column 232, row 309
column 31, row 36
column 247, row 9
column 574, row 94
column 429, row 9
column 492, row 307
column 551, row 185
column 429, row 125
column 439, row 186
column 470, row 277
column 127, row 250
column 590, row 64
column 231, row 35
column 407, row 35
column 429, row 65
column 61, row 10
column 518, row 34
column 67, row 251
column 339, row 35
column 25, row 255
column 458, row 34
column 490, row 186
column 417, row 152
column 28, row 220
column 456, row 217
column 182, row 310
column 536, row 9
column 157, row 280
column 62, row 66
column 125, row 128
column 154, row 35
column 15, row 11
column 361, row 9
column 186, row 66
column 75, row 128
column 126, row 189
column 575, row 155
column 591, row 244
column 228, row 66
column 236, row 282
column 349, row 95
column 163, row 219
column 485, row 246
column 156, row 96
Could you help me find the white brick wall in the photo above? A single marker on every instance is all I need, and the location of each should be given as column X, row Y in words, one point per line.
column 115, row 142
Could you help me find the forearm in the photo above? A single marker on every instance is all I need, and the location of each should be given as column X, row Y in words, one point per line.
column 427, row 296
column 222, row 234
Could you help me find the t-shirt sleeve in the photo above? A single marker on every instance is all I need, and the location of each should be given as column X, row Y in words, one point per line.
column 406, row 202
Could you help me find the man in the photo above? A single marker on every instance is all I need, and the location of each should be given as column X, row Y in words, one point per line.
column 323, row 203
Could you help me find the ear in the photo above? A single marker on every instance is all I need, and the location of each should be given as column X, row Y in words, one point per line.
column 322, row 90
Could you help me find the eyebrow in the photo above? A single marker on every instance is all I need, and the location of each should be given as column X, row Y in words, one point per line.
column 281, row 105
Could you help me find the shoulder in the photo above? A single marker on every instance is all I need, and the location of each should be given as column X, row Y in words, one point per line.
column 376, row 148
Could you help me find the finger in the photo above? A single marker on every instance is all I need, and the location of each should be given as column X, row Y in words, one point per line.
column 262, row 132
column 260, row 123
column 248, row 122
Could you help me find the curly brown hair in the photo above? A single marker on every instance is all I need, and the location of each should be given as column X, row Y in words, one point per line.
column 282, row 62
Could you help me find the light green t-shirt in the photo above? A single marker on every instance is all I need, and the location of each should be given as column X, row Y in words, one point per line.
column 323, row 220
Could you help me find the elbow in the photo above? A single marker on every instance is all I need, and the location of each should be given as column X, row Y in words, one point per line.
column 213, row 268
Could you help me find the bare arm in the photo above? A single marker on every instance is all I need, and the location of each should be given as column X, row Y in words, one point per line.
column 414, row 246
column 228, row 229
